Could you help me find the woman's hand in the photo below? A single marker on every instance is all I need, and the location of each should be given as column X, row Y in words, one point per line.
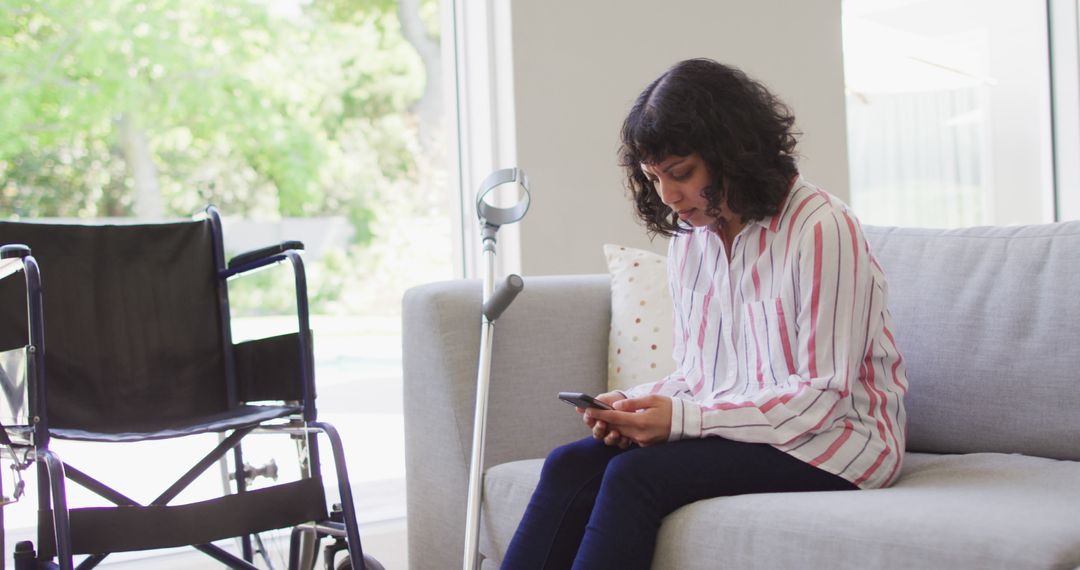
column 645, row 421
column 600, row 429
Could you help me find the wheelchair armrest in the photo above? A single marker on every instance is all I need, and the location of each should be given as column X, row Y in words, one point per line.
column 11, row 258
column 262, row 253
column 290, row 251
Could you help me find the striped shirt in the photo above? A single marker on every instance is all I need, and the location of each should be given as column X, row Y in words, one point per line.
column 788, row 341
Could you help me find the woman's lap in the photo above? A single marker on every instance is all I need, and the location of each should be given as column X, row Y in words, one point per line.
column 714, row 466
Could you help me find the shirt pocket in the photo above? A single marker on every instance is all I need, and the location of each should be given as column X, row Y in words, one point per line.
column 768, row 332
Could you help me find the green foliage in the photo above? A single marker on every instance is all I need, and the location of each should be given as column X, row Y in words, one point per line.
column 267, row 109
column 269, row 291
column 240, row 102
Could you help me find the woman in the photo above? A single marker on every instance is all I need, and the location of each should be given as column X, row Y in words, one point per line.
column 787, row 377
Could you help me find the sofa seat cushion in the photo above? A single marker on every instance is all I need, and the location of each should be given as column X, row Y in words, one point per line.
column 981, row 510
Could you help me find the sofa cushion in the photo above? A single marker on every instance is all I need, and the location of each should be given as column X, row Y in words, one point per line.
column 988, row 321
column 639, row 346
column 984, row 510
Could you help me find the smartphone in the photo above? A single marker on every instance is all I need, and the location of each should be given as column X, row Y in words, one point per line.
column 580, row 400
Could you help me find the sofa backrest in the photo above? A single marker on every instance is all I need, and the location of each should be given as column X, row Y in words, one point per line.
column 988, row 322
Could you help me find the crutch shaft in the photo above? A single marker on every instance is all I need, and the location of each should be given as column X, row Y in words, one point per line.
column 476, row 464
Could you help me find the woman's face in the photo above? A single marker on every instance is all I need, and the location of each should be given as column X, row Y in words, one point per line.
column 680, row 181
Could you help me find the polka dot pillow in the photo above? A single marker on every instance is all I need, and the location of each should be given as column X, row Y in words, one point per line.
column 639, row 346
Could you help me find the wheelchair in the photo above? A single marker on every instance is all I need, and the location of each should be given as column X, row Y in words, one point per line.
column 121, row 333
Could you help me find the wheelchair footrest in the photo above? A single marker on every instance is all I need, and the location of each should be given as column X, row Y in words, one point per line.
column 100, row 530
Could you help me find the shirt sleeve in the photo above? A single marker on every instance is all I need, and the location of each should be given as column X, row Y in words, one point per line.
column 830, row 296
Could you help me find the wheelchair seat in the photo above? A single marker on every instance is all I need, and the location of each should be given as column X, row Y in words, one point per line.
column 238, row 417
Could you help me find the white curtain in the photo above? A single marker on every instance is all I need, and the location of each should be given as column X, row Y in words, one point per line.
column 921, row 158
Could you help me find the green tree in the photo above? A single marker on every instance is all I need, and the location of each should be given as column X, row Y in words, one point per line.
column 153, row 107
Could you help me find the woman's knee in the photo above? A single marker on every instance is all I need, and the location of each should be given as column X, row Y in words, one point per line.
column 633, row 470
column 585, row 455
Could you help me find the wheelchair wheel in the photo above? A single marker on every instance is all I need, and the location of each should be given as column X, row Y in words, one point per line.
column 369, row 564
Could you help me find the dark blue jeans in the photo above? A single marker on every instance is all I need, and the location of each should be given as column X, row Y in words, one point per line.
column 598, row 506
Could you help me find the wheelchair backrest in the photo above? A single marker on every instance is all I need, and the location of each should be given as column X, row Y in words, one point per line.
column 133, row 329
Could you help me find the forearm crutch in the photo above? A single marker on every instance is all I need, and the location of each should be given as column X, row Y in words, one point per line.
column 494, row 303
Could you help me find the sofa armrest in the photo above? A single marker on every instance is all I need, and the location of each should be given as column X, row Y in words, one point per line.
column 553, row 338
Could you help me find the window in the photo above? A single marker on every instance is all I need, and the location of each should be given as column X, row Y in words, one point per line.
column 318, row 121
column 949, row 111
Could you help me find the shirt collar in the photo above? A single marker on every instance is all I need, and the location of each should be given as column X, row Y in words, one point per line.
column 772, row 223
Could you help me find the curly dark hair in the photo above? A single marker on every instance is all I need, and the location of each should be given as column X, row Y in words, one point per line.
column 742, row 131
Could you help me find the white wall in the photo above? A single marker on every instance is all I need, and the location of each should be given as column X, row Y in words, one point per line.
column 579, row 64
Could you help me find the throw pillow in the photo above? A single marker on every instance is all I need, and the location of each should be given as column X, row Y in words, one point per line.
column 639, row 345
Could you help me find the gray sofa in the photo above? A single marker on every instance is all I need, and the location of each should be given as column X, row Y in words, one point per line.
column 988, row 320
